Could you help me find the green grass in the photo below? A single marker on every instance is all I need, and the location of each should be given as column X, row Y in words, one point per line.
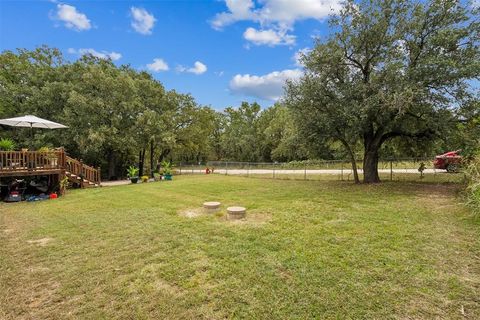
column 440, row 177
column 308, row 249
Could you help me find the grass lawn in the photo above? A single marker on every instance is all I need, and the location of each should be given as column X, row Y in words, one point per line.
column 308, row 249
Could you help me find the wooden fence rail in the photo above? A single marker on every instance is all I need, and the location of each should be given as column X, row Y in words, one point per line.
column 45, row 162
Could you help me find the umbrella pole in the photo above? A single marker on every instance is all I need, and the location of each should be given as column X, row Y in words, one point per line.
column 31, row 135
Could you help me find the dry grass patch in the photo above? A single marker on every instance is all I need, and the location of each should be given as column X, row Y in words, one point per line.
column 41, row 242
column 252, row 219
column 192, row 212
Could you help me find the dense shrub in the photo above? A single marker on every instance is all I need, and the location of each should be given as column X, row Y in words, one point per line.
column 473, row 187
column 7, row 144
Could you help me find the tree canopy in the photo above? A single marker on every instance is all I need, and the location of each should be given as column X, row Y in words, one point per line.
column 118, row 116
column 391, row 69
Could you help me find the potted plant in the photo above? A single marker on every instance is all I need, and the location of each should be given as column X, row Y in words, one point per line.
column 132, row 174
column 7, row 144
column 49, row 155
column 167, row 170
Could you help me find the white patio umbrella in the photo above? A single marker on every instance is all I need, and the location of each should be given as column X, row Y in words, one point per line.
column 31, row 122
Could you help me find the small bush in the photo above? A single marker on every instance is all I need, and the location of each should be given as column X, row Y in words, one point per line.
column 145, row 178
column 7, row 144
column 473, row 187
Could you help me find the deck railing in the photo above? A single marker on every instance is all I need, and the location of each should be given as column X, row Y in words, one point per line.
column 82, row 170
column 29, row 162
column 13, row 161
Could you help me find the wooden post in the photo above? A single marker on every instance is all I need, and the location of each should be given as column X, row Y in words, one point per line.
column 391, row 170
column 60, row 178
column 99, row 174
column 61, row 158
column 81, row 174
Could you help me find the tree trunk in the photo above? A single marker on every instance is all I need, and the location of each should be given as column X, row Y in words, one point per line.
column 352, row 160
column 141, row 162
column 370, row 165
column 111, row 165
column 354, row 168
column 163, row 154
column 152, row 165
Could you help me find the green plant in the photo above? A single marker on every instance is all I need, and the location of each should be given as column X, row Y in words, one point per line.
column 473, row 187
column 50, row 153
column 156, row 176
column 132, row 172
column 167, row 167
column 7, row 144
column 145, row 178
column 63, row 184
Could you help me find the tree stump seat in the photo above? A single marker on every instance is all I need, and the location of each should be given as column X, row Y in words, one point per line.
column 236, row 212
column 211, row 206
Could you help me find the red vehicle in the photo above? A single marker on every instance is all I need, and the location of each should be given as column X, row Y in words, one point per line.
column 450, row 161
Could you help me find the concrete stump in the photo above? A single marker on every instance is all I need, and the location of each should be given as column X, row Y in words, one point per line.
column 211, row 206
column 236, row 212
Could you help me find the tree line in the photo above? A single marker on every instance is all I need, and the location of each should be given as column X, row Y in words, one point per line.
column 118, row 116
column 393, row 80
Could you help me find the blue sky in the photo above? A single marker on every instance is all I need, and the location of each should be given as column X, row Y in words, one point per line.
column 222, row 52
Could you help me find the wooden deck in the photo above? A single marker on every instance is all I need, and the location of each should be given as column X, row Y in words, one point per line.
column 57, row 162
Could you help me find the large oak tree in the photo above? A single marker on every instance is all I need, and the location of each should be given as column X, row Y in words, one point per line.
column 390, row 69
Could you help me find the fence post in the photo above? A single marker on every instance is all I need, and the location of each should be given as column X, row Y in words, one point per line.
column 226, row 168
column 274, row 170
column 305, row 172
column 248, row 169
column 341, row 173
column 391, row 170
column 181, row 164
column 192, row 168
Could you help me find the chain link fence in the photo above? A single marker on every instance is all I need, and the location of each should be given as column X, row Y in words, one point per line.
column 389, row 170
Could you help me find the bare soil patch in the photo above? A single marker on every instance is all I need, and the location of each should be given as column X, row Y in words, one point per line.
column 41, row 242
column 192, row 213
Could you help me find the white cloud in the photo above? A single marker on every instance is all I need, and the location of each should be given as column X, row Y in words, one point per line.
column 475, row 4
column 72, row 18
column 114, row 56
column 142, row 20
column 198, row 68
column 238, row 10
column 158, row 65
column 267, row 87
column 268, row 37
column 297, row 57
column 283, row 13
